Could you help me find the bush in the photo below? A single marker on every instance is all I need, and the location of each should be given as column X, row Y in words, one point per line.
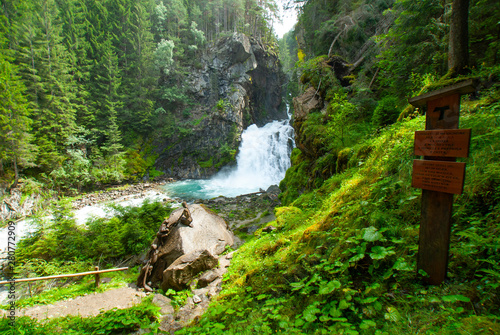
column 386, row 112
column 128, row 233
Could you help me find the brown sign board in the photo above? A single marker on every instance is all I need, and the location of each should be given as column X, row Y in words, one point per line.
column 446, row 177
column 442, row 143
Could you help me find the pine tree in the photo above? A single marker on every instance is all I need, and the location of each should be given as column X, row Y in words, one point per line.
column 75, row 25
column 51, row 86
column 140, row 77
column 15, row 140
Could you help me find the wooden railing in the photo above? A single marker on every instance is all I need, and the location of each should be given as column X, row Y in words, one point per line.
column 96, row 273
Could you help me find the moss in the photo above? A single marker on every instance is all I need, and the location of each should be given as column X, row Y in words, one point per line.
column 206, row 164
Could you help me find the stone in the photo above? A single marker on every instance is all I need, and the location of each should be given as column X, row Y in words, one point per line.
column 207, row 278
column 181, row 272
column 209, row 233
column 196, row 299
column 269, row 229
column 306, row 103
column 164, row 303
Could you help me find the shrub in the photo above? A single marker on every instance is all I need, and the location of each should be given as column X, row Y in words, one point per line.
column 386, row 112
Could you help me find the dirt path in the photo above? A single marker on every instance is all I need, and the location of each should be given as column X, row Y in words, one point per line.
column 88, row 305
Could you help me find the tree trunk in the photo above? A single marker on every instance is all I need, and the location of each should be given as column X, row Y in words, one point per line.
column 16, row 174
column 458, row 48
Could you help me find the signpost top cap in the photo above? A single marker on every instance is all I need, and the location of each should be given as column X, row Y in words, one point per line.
column 463, row 87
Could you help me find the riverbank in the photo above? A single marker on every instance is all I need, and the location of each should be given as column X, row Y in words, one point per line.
column 18, row 206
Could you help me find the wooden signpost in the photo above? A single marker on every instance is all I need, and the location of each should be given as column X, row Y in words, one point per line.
column 438, row 175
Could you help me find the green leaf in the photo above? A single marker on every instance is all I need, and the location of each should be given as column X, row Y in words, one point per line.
column 299, row 322
column 369, row 300
column 392, row 314
column 371, row 234
column 379, row 252
column 344, row 304
column 434, row 300
column 330, row 287
column 334, row 312
column 356, row 258
column 219, row 326
column 262, row 296
column 367, row 324
column 295, row 286
column 310, row 317
column 455, row 298
column 401, row 265
column 310, row 312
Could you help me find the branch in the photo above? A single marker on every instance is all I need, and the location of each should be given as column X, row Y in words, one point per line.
column 335, row 40
column 373, row 79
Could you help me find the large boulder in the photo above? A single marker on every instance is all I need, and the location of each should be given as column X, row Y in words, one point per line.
column 209, row 233
column 181, row 272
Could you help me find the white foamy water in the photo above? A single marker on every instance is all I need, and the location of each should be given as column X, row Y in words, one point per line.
column 262, row 161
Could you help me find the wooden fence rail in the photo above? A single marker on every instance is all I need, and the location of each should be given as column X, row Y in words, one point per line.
column 96, row 273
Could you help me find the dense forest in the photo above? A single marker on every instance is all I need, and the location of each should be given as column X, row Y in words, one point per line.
column 84, row 83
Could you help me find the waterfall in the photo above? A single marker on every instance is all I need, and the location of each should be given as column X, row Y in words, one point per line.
column 262, row 160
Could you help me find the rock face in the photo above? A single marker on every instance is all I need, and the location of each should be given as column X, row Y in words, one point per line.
column 237, row 83
column 186, row 251
column 313, row 100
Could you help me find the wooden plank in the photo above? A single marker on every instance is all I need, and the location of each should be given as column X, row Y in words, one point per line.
column 434, row 236
column 61, row 276
column 464, row 87
column 443, row 113
column 446, row 177
column 442, row 143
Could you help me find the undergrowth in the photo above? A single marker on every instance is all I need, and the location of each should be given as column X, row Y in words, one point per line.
column 143, row 316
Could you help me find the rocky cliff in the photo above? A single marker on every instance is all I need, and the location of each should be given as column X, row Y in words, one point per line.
column 236, row 83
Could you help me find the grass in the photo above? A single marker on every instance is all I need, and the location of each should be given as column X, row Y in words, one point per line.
column 144, row 316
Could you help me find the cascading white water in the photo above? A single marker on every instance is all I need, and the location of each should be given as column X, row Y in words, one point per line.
column 263, row 158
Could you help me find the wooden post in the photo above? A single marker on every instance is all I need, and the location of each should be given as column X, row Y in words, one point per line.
column 443, row 111
column 97, row 277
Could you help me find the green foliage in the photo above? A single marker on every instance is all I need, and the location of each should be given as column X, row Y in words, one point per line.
column 415, row 44
column 386, row 113
column 129, row 232
column 206, row 164
column 178, row 297
column 143, row 316
column 164, row 55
